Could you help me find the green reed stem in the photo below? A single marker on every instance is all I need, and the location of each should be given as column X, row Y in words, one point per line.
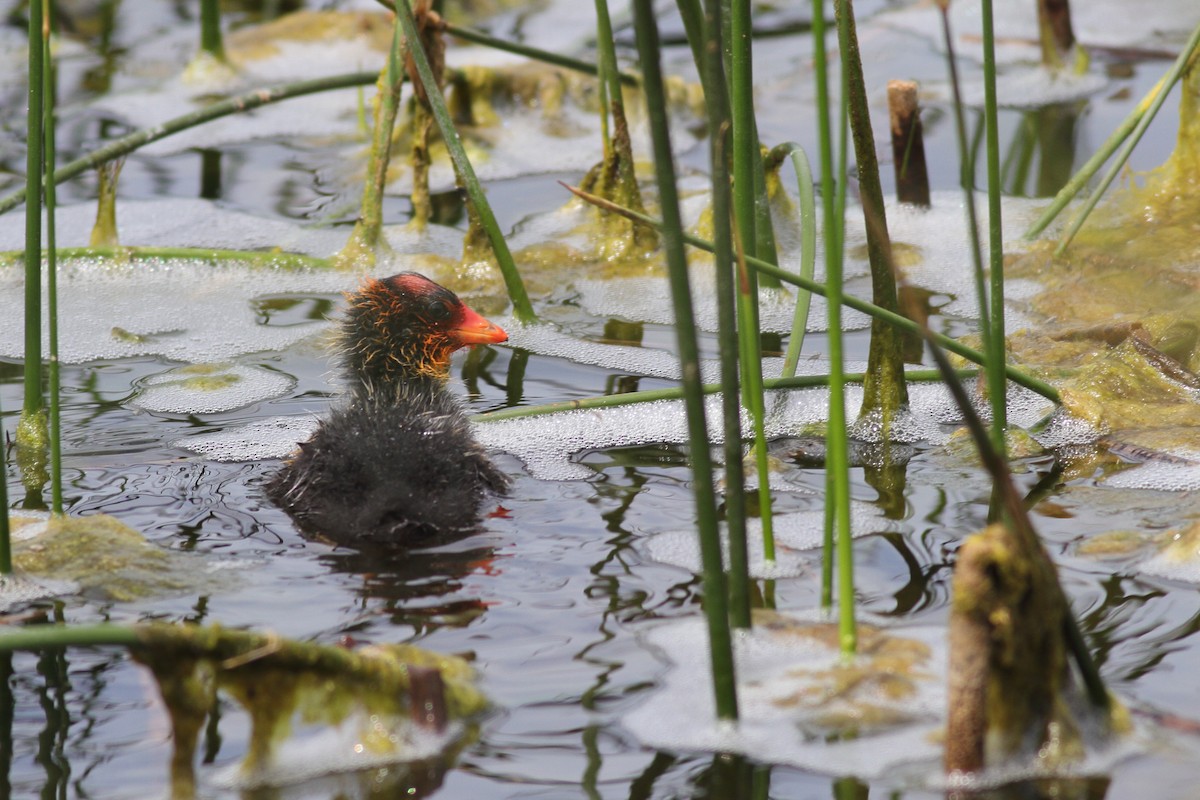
column 537, row 54
column 967, row 176
column 695, row 27
column 719, row 124
column 366, row 239
column 997, row 388
column 256, row 258
column 749, row 206
column 1169, row 81
column 833, row 256
column 233, row 105
column 715, row 604
column 610, row 84
column 675, row 393
column 890, row 317
column 750, row 353
column 522, row 308
column 883, row 350
column 48, row 130
column 210, row 28
column 33, row 403
column 808, row 247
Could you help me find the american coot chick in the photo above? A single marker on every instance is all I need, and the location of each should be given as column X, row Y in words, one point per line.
column 397, row 462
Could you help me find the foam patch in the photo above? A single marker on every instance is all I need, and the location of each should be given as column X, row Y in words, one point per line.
column 794, row 533
column 274, row 437
column 209, row 388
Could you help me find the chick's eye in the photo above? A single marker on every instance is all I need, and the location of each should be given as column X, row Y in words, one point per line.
column 438, row 312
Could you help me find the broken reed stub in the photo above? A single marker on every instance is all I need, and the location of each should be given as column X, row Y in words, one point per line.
column 908, row 144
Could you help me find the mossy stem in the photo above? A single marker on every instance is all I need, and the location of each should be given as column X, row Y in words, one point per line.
column 48, row 130
column 210, row 29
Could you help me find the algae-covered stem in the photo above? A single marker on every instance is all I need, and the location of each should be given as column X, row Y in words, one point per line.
column 885, row 392
column 210, row 28
column 715, row 605
column 367, row 236
column 522, row 308
column 48, row 129
column 33, row 404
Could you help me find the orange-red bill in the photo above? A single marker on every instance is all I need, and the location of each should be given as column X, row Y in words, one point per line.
column 471, row 328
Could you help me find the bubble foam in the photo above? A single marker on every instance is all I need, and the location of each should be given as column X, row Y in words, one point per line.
column 794, row 532
column 274, row 437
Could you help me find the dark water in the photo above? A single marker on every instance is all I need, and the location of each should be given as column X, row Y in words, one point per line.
column 548, row 600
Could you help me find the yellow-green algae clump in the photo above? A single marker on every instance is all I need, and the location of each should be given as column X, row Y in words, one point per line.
column 103, row 556
column 1012, row 695
column 854, row 697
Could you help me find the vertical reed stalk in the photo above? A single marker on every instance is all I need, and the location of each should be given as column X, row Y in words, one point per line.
column 967, row 177
column 210, row 29
column 719, row 124
column 48, row 93
column 837, row 459
column 34, row 405
column 715, row 605
column 750, row 206
column 522, row 308
column 610, row 79
column 997, row 387
column 884, row 392
column 752, row 388
column 367, row 235
column 5, row 533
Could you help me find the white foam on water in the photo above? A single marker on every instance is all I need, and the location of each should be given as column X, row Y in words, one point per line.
column 1159, row 476
column 547, row 443
column 772, row 669
column 209, row 388
column 794, row 533
column 274, row 437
